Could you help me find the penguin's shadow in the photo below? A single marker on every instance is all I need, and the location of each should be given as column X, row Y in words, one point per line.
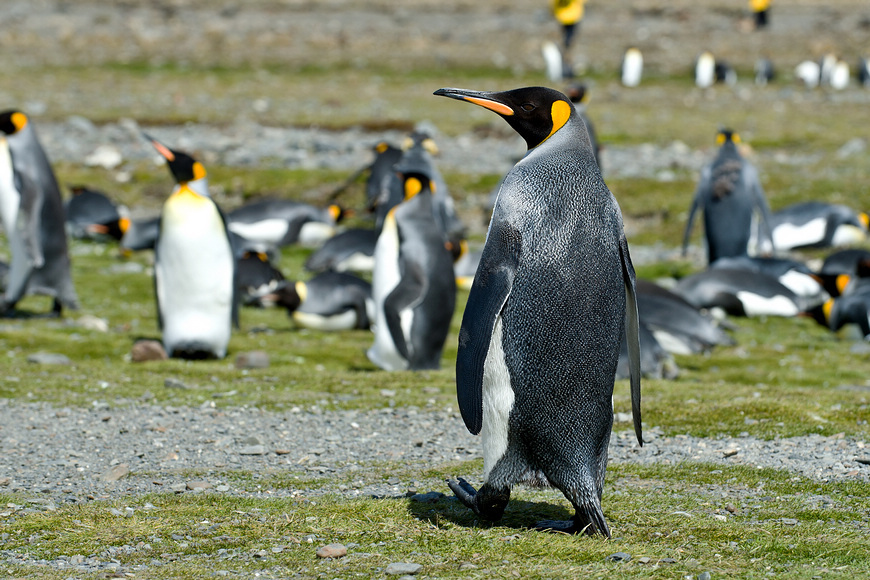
column 519, row 514
column 19, row 314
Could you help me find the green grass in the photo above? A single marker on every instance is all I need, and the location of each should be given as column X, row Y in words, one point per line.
column 732, row 522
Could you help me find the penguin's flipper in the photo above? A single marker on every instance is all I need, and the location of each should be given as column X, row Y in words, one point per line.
column 632, row 334
column 489, row 293
column 407, row 294
column 753, row 184
column 29, row 217
column 700, row 193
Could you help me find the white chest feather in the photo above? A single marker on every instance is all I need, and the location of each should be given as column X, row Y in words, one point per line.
column 848, row 235
column 788, row 236
column 755, row 305
column 194, row 274
column 498, row 400
column 268, row 231
column 385, row 277
column 9, row 197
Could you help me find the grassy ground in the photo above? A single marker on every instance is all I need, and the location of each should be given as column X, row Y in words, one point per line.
column 783, row 378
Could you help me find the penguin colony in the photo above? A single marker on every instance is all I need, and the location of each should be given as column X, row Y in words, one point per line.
column 554, row 311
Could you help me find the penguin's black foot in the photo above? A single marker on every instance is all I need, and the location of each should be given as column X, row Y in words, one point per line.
column 488, row 503
column 464, row 492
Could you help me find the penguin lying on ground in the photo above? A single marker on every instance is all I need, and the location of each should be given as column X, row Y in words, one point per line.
column 853, row 261
column 413, row 285
column 816, row 224
column 141, row 234
column 849, row 309
column 194, row 265
column 678, row 326
column 728, row 192
column 540, row 336
column 259, row 283
column 274, row 223
column 335, row 301
column 90, row 214
column 33, row 218
column 740, row 293
column 794, row 275
column 655, row 361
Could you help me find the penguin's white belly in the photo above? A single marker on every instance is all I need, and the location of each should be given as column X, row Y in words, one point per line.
column 801, row 284
column 788, row 236
column 498, row 400
column 848, row 235
column 631, row 69
column 755, row 305
column 10, row 199
column 268, row 231
column 385, row 277
column 313, row 234
column 356, row 262
column 342, row 321
column 194, row 271
column 671, row 343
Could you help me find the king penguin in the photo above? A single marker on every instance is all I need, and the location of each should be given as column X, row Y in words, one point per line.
column 729, row 191
column 33, row 217
column 632, row 67
column 413, row 284
column 194, row 265
column 553, row 295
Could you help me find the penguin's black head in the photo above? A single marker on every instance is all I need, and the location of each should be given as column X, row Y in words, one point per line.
column 577, row 93
column 534, row 112
column 12, row 121
column 821, row 313
column 183, row 167
column 727, row 136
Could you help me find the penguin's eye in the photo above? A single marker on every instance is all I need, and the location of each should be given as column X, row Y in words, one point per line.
column 527, row 107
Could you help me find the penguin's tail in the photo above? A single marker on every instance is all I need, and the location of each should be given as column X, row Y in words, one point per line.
column 589, row 519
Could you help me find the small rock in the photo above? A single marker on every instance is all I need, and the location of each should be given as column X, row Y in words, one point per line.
column 198, row 485
column 253, row 450
column 403, row 568
column 388, row 393
column 789, row 521
column 667, row 561
column 118, row 472
column 704, row 576
column 256, row 359
column 4, row 481
column 171, row 383
column 644, row 559
column 178, row 487
column 147, row 350
column 331, row 551
column 467, row 566
column 49, row 358
column 105, row 156
column 730, row 453
column 619, row 557
column 91, row 322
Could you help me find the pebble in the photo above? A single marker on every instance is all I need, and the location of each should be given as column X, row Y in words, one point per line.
column 253, row 450
column 619, row 557
column 331, row 551
column 147, row 350
column 256, row 359
column 49, row 358
column 95, row 323
column 704, row 576
column 117, row 472
column 403, row 568
column 198, row 485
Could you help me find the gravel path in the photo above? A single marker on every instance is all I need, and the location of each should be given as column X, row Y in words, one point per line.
column 70, row 454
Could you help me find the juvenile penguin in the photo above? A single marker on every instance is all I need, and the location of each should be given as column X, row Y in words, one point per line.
column 33, row 217
column 194, row 265
column 729, row 192
column 413, row 285
column 553, row 295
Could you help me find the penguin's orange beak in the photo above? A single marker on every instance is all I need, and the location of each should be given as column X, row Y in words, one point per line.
column 478, row 98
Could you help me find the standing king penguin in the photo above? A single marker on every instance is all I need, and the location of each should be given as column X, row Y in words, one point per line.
column 553, row 294
column 194, row 265
column 413, row 284
column 729, row 191
column 33, row 217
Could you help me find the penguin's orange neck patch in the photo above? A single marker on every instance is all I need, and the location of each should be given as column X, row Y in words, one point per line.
column 499, row 108
column 198, row 170
column 19, row 120
column 412, row 187
column 560, row 112
column 827, row 307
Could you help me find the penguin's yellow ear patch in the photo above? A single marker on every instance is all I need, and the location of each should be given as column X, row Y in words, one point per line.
column 842, row 281
column 827, row 307
column 736, row 138
column 412, row 187
column 335, row 212
column 560, row 112
column 302, row 290
column 864, row 219
column 198, row 170
column 19, row 120
column 381, row 147
column 720, row 139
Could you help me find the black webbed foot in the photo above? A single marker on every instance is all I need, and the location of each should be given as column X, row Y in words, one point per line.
column 488, row 503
